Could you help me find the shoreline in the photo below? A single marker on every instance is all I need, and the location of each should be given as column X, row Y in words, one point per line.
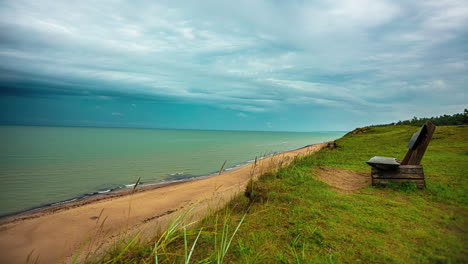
column 87, row 198
column 55, row 234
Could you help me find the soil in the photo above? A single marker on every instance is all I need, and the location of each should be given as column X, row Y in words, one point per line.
column 343, row 180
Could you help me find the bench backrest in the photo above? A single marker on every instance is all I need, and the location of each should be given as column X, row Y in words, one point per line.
column 418, row 144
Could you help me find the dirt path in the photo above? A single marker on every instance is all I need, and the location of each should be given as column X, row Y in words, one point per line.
column 343, row 180
column 56, row 234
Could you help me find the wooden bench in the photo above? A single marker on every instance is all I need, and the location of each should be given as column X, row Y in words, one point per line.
column 387, row 170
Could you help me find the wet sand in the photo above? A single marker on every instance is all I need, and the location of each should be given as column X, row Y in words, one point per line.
column 56, row 234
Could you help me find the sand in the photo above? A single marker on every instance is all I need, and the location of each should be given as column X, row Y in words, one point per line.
column 55, row 235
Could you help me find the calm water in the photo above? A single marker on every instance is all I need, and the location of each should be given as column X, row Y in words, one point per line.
column 43, row 165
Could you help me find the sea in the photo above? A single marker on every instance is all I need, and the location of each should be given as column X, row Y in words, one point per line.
column 43, row 166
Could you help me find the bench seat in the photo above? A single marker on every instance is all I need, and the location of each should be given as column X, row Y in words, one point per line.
column 384, row 163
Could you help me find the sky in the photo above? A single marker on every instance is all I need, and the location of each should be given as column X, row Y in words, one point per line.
column 231, row 65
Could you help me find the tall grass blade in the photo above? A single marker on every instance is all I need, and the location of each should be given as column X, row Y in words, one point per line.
column 83, row 244
column 114, row 260
column 225, row 240
column 235, row 231
column 187, row 259
column 136, row 184
column 29, row 256
column 155, row 252
column 185, row 244
column 222, row 168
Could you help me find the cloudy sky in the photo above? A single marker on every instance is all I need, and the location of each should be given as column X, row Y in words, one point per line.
column 248, row 65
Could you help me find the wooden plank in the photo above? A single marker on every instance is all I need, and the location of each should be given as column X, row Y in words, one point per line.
column 402, row 168
column 398, row 176
column 385, row 182
column 414, row 156
column 407, row 157
column 410, row 166
column 402, row 172
column 410, row 171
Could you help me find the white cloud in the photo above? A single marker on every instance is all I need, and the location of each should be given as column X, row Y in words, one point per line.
column 362, row 13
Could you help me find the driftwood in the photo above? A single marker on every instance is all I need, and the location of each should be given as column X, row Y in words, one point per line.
column 387, row 170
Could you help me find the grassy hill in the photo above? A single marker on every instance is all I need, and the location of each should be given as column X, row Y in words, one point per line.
column 291, row 217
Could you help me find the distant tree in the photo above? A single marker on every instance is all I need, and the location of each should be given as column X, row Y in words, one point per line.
column 443, row 120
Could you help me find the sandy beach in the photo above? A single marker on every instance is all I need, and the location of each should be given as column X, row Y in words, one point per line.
column 56, row 234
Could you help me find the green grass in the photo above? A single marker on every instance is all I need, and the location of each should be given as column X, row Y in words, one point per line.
column 294, row 218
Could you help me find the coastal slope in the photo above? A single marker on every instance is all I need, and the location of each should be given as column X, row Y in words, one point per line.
column 318, row 209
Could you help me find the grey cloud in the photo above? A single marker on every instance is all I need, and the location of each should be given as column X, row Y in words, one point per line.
column 248, row 56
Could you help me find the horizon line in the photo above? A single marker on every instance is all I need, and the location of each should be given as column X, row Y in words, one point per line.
column 159, row 128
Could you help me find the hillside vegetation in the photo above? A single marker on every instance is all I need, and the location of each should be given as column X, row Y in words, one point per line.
column 443, row 120
column 291, row 217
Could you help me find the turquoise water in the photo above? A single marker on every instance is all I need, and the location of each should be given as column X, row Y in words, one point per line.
column 43, row 165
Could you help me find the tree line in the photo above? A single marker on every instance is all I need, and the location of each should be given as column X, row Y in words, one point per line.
column 443, row 120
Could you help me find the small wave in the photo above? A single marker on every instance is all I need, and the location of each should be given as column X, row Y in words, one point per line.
column 178, row 176
column 64, row 202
